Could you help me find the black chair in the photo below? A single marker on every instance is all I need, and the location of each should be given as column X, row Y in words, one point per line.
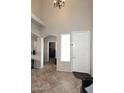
column 32, row 60
column 86, row 78
column 32, row 63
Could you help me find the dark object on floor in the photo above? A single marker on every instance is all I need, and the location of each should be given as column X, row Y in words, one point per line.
column 34, row 52
column 86, row 78
column 32, row 63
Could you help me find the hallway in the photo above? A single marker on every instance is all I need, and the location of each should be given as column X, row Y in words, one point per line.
column 48, row 80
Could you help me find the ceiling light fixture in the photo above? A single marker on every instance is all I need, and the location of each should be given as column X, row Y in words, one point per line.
column 59, row 3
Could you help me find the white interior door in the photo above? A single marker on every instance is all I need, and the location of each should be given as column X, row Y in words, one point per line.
column 80, row 48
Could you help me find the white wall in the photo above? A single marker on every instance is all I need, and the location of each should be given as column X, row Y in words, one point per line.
column 33, row 39
column 36, row 7
column 75, row 16
column 46, row 40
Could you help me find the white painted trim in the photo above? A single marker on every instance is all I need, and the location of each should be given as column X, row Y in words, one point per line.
column 42, row 52
column 35, row 34
column 38, row 67
column 37, row 20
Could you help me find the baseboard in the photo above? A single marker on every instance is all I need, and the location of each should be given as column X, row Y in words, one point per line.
column 38, row 67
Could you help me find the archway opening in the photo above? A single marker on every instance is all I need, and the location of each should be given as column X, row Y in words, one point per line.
column 50, row 48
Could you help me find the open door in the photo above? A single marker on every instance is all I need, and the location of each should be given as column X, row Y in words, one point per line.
column 80, row 48
column 52, row 52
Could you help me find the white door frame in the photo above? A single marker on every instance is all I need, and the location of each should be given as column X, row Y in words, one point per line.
column 42, row 52
column 71, row 51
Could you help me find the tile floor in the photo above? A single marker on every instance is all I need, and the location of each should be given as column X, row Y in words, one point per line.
column 48, row 80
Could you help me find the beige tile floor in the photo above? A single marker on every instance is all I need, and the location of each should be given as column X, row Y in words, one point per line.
column 48, row 80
